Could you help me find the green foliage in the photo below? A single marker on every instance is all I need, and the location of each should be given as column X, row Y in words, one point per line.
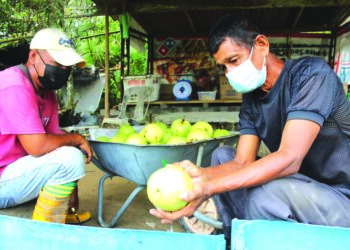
column 20, row 19
column 138, row 65
column 89, row 34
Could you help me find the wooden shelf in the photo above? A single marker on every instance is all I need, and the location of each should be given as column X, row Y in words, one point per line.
column 205, row 104
column 164, row 104
column 197, row 102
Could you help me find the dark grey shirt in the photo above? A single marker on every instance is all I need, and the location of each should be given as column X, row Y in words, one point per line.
column 307, row 89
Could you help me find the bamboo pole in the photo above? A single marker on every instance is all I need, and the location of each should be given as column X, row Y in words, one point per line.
column 107, row 63
column 15, row 39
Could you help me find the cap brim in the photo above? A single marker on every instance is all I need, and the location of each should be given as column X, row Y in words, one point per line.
column 67, row 57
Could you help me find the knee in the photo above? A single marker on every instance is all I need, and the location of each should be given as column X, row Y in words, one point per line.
column 269, row 201
column 222, row 154
column 70, row 154
column 71, row 158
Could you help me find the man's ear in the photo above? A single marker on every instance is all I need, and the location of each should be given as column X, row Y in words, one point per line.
column 31, row 57
column 262, row 44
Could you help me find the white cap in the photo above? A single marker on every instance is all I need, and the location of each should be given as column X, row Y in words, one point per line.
column 58, row 45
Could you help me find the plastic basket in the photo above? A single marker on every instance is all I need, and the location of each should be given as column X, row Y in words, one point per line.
column 130, row 82
column 207, row 95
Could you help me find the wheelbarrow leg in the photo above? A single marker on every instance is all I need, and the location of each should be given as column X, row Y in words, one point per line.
column 121, row 210
column 210, row 221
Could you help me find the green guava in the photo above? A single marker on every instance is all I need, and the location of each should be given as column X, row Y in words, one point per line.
column 220, row 132
column 197, row 134
column 136, row 139
column 103, row 139
column 166, row 184
column 204, row 125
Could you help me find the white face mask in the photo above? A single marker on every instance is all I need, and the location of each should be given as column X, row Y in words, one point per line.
column 245, row 77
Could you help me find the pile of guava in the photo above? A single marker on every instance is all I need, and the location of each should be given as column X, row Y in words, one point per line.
column 181, row 131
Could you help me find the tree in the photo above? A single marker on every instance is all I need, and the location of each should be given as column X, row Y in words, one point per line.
column 20, row 19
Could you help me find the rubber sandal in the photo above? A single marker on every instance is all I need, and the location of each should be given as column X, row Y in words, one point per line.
column 77, row 218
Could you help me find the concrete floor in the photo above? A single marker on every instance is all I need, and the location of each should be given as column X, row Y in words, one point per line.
column 116, row 191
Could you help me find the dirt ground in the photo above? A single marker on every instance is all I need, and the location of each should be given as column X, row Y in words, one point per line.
column 116, row 191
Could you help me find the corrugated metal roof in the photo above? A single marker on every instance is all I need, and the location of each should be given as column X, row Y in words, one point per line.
column 194, row 17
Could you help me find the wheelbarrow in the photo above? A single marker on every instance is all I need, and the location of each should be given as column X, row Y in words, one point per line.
column 137, row 162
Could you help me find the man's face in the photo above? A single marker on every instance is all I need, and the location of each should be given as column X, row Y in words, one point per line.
column 50, row 75
column 42, row 58
column 230, row 55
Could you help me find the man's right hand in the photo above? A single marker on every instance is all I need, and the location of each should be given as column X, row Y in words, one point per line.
column 85, row 147
column 195, row 197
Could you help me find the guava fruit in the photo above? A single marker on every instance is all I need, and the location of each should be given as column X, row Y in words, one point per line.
column 126, row 129
column 205, row 126
column 167, row 135
column 197, row 135
column 153, row 133
column 220, row 132
column 175, row 140
column 103, row 138
column 180, row 127
column 166, row 184
column 136, row 139
column 119, row 138
column 162, row 125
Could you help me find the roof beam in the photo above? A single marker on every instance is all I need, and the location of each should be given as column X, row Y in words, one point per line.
column 156, row 6
column 189, row 19
column 180, row 5
column 344, row 16
column 267, row 31
column 296, row 19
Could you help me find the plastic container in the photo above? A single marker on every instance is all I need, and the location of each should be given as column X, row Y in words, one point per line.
column 207, row 95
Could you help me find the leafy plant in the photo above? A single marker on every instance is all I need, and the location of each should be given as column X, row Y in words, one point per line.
column 20, row 19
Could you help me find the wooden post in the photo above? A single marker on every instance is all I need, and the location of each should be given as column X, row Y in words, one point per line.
column 289, row 46
column 106, row 62
column 332, row 48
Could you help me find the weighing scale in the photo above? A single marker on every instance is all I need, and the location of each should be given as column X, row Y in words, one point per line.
column 182, row 90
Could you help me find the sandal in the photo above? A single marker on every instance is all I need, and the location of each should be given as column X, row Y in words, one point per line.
column 75, row 218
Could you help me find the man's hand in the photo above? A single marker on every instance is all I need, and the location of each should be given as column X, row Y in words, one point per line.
column 85, row 147
column 195, row 197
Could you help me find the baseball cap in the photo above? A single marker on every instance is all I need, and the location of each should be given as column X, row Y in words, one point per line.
column 58, row 45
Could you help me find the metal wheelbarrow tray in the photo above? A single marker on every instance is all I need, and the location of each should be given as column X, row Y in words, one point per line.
column 137, row 162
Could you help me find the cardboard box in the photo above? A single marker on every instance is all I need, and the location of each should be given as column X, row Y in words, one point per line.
column 226, row 91
column 166, row 92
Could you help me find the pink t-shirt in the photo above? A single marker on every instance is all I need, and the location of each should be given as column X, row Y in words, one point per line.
column 19, row 114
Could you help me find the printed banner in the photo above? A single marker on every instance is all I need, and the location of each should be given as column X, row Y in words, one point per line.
column 342, row 63
column 176, row 59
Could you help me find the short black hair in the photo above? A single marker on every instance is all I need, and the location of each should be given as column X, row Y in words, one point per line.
column 240, row 28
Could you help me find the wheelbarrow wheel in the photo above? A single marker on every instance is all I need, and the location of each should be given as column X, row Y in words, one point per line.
column 194, row 225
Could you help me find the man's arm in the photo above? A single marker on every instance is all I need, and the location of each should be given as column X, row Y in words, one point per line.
column 39, row 144
column 243, row 171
